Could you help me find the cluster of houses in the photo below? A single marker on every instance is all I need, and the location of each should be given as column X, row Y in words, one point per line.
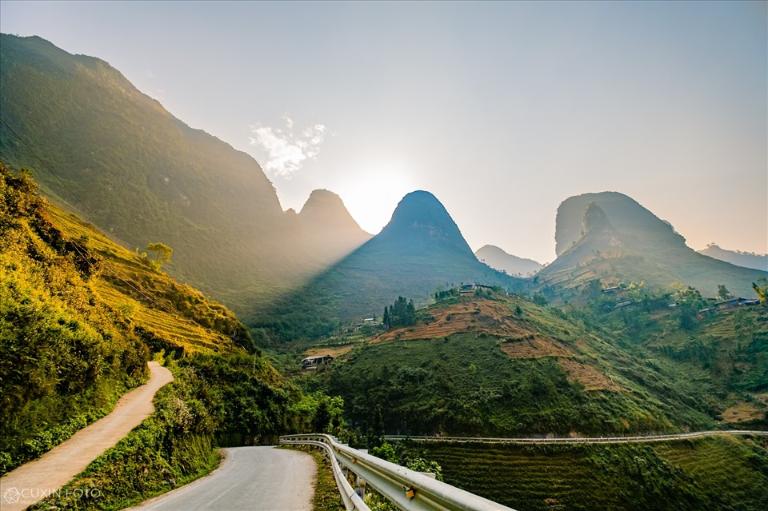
column 731, row 303
column 470, row 289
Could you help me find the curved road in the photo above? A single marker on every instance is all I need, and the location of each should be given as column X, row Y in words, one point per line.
column 35, row 480
column 252, row 478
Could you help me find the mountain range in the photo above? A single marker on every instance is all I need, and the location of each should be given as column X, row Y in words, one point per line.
column 101, row 147
column 611, row 237
column 739, row 258
column 497, row 258
column 115, row 155
column 419, row 251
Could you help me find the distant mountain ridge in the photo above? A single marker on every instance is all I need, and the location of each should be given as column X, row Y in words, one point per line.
column 499, row 259
column 611, row 237
column 420, row 250
column 99, row 145
column 743, row 259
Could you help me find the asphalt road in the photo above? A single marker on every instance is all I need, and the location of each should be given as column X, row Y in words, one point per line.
column 252, row 478
column 32, row 481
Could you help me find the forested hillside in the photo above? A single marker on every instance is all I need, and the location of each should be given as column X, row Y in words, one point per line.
column 123, row 162
column 79, row 318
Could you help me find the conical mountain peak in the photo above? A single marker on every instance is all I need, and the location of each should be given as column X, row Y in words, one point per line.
column 422, row 221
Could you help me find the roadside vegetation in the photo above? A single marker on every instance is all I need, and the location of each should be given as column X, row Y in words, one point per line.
column 79, row 318
column 711, row 473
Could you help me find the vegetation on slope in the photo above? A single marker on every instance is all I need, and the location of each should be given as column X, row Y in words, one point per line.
column 706, row 474
column 421, row 249
column 65, row 356
column 506, row 366
column 128, row 165
column 79, row 317
column 724, row 348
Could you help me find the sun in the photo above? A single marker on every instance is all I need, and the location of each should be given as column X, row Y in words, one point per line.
column 372, row 196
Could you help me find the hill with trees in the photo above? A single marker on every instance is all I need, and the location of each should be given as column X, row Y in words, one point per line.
column 489, row 364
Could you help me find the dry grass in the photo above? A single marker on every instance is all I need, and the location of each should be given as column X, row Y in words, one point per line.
column 588, row 376
column 536, row 347
column 486, row 316
column 742, row 412
column 334, row 351
column 136, row 292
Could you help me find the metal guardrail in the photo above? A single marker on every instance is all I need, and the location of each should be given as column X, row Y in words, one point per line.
column 407, row 489
column 352, row 500
column 576, row 440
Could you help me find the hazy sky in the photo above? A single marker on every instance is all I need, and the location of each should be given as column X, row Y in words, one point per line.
column 502, row 110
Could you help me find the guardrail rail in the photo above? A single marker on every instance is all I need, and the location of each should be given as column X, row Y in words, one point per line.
column 407, row 489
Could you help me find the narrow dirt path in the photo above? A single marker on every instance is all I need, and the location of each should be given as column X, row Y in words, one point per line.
column 35, row 480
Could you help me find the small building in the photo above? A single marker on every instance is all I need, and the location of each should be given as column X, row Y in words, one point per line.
column 467, row 289
column 611, row 290
column 316, row 362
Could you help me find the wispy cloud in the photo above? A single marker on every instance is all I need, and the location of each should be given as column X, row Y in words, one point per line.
column 286, row 150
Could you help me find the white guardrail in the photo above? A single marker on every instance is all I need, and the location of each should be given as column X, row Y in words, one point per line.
column 407, row 489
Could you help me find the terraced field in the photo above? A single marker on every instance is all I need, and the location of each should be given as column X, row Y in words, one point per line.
column 713, row 473
column 164, row 310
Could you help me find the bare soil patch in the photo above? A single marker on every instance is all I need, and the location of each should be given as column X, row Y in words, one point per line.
column 493, row 318
column 742, row 412
column 588, row 376
column 536, row 347
column 334, row 351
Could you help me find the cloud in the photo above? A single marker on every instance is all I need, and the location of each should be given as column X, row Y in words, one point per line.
column 285, row 150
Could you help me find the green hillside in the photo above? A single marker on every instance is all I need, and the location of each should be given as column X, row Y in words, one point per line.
column 421, row 249
column 631, row 244
column 725, row 347
column 79, row 317
column 504, row 366
column 708, row 474
column 119, row 159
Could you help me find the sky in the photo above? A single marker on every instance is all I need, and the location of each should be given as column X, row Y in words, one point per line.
column 502, row 110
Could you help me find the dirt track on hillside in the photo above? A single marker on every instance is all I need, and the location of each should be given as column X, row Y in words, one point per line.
column 33, row 481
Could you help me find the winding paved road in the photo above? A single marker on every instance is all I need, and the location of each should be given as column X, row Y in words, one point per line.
column 35, row 480
column 252, row 478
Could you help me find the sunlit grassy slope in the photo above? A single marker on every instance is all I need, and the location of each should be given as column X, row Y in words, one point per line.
column 164, row 309
column 79, row 316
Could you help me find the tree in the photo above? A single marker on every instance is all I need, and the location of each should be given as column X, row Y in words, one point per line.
column 723, row 292
column 400, row 313
column 161, row 254
column 761, row 289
